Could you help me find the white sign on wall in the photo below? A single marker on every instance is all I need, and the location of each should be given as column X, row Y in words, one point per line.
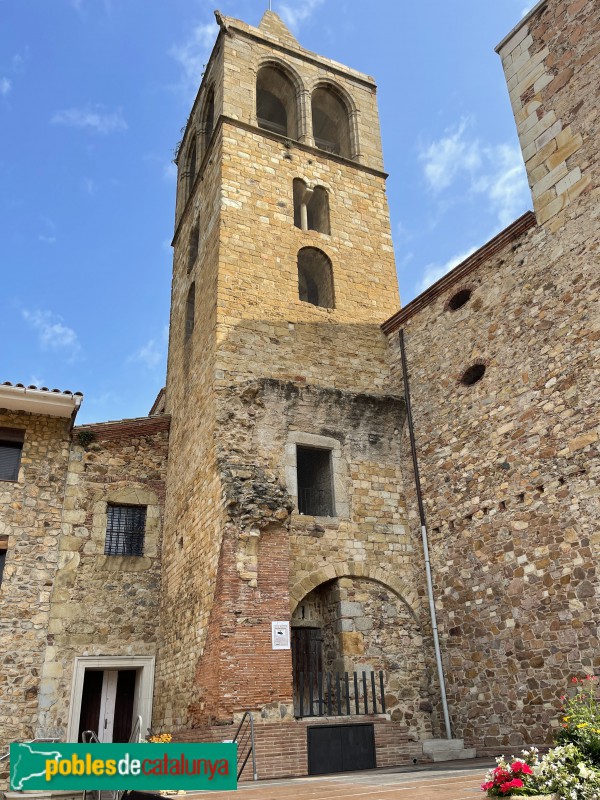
column 280, row 635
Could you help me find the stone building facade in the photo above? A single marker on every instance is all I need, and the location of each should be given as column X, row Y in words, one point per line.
column 275, row 471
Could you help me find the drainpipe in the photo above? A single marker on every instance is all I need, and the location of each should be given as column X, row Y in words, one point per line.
column 434, row 628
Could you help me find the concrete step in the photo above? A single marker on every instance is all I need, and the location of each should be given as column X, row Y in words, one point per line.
column 447, row 749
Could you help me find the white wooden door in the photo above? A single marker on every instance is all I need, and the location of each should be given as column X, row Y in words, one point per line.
column 107, row 705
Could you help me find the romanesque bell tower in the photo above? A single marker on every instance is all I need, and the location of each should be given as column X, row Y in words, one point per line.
column 283, row 478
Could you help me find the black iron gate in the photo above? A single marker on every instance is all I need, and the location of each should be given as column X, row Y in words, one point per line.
column 340, row 748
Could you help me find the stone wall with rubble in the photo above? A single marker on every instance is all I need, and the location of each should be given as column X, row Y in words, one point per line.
column 30, row 527
column 270, row 561
column 104, row 605
column 509, row 465
column 510, row 476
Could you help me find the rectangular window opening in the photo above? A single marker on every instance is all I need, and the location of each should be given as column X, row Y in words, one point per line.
column 125, row 530
column 315, row 482
column 11, row 446
column 2, row 562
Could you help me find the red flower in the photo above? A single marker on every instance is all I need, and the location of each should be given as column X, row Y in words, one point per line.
column 514, row 784
column 573, row 680
column 501, row 775
column 487, row 785
column 522, row 767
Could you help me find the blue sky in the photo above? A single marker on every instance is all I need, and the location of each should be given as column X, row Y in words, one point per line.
column 93, row 94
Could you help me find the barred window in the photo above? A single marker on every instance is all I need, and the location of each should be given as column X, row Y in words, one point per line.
column 125, row 530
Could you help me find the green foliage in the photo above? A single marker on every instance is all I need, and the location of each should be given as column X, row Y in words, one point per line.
column 581, row 720
column 84, row 438
column 565, row 772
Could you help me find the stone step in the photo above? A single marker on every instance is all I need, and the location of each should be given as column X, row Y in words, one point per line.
column 447, row 749
column 41, row 795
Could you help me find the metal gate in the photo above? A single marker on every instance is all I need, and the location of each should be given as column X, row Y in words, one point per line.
column 340, row 748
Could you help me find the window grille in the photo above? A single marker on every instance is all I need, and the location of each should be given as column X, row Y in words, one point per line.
column 125, row 531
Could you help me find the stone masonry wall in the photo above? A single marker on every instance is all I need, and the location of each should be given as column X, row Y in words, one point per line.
column 194, row 516
column 264, row 329
column 551, row 65
column 32, row 515
column 509, row 465
column 104, row 605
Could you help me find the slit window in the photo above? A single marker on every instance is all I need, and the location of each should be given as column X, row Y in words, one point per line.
column 11, row 446
column 191, row 166
column 193, row 247
column 208, row 119
column 331, row 127
column 315, row 277
column 315, row 481
column 311, row 207
column 190, row 312
column 125, row 528
column 3, row 552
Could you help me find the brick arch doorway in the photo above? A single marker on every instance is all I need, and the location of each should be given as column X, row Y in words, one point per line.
column 358, row 625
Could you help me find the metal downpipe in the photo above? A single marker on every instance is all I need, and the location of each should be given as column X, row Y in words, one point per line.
column 434, row 628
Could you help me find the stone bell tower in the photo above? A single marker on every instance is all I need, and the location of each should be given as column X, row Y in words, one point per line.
column 277, row 377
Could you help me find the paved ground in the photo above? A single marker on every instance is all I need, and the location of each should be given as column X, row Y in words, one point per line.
column 454, row 780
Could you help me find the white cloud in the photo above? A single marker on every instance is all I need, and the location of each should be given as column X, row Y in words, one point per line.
column 474, row 169
column 46, row 239
column 505, row 184
column 452, row 155
column 95, row 118
column 193, row 54
column 152, row 353
column 53, row 334
column 528, row 7
column 300, row 11
column 5, row 86
column 433, row 272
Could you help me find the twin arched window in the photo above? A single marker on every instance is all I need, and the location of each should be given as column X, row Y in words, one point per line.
column 311, row 207
column 277, row 111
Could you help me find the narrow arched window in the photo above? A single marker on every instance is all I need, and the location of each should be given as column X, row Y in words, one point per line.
column 331, row 126
column 276, row 102
column 193, row 246
column 315, row 277
column 311, row 207
column 191, row 166
column 208, row 119
column 318, row 210
column 190, row 311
